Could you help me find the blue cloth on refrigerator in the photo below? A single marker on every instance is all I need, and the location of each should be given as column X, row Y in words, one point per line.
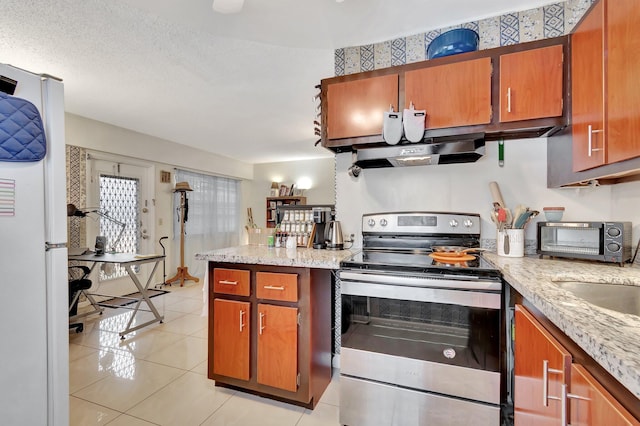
column 22, row 136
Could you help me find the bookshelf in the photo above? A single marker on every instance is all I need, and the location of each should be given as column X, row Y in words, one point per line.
column 274, row 202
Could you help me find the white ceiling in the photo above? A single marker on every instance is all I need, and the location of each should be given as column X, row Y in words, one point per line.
column 240, row 85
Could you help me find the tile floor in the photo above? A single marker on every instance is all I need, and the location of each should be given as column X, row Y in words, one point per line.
column 157, row 375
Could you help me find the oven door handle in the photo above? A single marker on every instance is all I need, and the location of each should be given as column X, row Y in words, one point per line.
column 475, row 299
column 469, row 283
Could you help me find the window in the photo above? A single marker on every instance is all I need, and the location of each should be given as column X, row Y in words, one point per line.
column 212, row 218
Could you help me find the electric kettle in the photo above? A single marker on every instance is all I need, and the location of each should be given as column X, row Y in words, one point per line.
column 333, row 235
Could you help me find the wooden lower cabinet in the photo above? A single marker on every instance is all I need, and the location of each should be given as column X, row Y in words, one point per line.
column 541, row 369
column 231, row 338
column 276, row 341
column 591, row 404
column 551, row 390
column 278, row 346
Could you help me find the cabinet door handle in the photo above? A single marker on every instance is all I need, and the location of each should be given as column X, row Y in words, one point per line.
column 545, row 383
column 228, row 282
column 565, row 401
column 590, row 138
column 241, row 320
column 272, row 287
column 261, row 322
column 509, row 99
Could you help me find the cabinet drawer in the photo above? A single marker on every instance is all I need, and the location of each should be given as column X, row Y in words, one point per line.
column 231, row 281
column 276, row 286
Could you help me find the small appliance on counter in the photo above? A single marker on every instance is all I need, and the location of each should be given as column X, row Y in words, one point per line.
column 333, row 237
column 303, row 222
column 602, row 241
column 321, row 216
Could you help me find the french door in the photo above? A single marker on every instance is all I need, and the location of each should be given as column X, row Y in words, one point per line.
column 121, row 191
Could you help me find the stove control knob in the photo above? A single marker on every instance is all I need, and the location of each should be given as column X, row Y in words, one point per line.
column 383, row 222
column 453, row 223
column 468, row 223
column 371, row 222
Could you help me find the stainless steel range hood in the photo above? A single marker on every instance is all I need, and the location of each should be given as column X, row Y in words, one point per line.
column 461, row 149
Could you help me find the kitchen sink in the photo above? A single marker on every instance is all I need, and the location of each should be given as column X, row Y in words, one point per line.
column 616, row 297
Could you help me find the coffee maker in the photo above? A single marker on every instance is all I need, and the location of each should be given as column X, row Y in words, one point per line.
column 321, row 217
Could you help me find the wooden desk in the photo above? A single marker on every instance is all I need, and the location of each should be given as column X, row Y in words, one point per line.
column 127, row 261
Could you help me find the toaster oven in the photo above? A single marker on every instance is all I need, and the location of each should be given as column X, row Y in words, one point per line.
column 602, row 241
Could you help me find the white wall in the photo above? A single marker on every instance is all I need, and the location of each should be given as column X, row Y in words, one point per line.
column 164, row 155
column 465, row 188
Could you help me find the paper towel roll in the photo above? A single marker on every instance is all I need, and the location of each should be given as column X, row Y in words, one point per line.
column 496, row 194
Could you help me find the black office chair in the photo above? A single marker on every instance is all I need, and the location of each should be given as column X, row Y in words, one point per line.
column 78, row 282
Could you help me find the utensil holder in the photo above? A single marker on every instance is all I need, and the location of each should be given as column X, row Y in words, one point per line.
column 257, row 236
column 516, row 242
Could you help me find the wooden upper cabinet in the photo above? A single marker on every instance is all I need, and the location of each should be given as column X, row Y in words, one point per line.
column 622, row 88
column 592, row 405
column 231, row 332
column 587, row 91
column 356, row 107
column 277, row 356
column 531, row 84
column 605, row 93
column 457, row 94
column 542, row 367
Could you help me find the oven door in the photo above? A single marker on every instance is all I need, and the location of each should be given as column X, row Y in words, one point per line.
column 432, row 335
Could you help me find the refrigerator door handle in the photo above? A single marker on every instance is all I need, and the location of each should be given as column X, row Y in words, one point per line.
column 49, row 246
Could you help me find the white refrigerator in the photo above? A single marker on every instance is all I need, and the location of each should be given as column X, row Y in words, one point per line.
column 34, row 339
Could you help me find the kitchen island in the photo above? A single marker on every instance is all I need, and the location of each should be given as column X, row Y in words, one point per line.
column 610, row 338
column 270, row 323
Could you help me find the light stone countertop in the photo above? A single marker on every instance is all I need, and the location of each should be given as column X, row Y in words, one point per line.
column 609, row 337
column 278, row 256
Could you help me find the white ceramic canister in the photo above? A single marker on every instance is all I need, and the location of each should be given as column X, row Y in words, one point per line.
column 515, row 246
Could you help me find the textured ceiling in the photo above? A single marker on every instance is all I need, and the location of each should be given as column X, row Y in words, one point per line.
column 241, row 85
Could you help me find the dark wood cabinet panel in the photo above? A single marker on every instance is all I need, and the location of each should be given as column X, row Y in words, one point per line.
column 231, row 332
column 355, row 108
column 277, row 346
column 531, row 84
column 457, row 94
